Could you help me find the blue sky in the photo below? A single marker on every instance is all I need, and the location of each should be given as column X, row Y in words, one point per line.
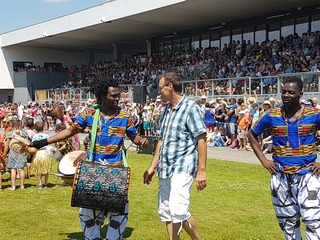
column 16, row 14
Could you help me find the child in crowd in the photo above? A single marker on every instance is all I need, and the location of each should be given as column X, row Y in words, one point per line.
column 16, row 160
column 243, row 124
column 224, row 136
column 215, row 139
column 41, row 159
column 146, row 116
column 29, row 129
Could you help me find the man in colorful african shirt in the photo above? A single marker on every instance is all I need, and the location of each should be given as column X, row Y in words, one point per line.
column 295, row 181
column 113, row 124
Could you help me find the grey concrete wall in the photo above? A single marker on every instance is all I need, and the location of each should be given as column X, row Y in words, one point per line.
column 6, row 95
column 26, row 83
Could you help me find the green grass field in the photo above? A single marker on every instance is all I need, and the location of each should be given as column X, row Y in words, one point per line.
column 235, row 205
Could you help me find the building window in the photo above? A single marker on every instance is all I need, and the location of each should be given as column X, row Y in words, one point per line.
column 168, row 48
column 205, row 41
column 248, row 34
column 315, row 24
column 237, row 35
column 260, row 34
column 185, row 46
column 195, row 42
column 287, row 27
column 301, row 25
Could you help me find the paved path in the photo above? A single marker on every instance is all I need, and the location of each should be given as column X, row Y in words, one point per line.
column 223, row 153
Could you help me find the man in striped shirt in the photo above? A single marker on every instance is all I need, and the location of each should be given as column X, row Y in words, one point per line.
column 180, row 156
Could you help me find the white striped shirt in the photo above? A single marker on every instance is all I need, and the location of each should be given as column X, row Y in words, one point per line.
column 179, row 131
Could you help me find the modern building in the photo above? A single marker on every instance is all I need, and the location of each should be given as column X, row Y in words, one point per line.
column 119, row 29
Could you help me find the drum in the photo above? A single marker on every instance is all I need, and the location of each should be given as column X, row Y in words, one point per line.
column 66, row 168
column 101, row 187
column 53, row 152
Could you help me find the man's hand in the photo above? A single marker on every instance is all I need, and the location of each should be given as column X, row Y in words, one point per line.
column 80, row 158
column 144, row 142
column 39, row 144
column 270, row 166
column 201, row 180
column 147, row 176
column 315, row 168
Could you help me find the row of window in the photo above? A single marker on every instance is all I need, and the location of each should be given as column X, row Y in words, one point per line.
column 258, row 33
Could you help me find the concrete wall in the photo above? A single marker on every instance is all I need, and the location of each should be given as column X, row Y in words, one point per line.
column 26, row 83
column 37, row 56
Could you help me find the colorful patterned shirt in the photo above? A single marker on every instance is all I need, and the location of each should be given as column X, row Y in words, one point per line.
column 179, row 130
column 293, row 143
column 110, row 134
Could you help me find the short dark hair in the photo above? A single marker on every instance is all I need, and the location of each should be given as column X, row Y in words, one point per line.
column 294, row 79
column 39, row 126
column 60, row 127
column 100, row 86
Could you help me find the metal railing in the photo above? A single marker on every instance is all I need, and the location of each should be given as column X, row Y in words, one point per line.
column 211, row 88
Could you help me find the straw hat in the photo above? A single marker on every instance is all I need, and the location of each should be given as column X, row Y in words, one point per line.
column 66, row 164
column 251, row 100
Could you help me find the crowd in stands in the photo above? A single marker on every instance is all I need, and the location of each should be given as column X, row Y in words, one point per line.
column 290, row 54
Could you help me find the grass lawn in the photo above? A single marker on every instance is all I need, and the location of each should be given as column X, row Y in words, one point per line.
column 235, row 205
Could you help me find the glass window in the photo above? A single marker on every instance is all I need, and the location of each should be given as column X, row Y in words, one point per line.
column 176, row 46
column 185, row 44
column 301, row 25
column 168, row 48
column 315, row 24
column 225, row 39
column 274, row 35
column 195, row 42
column 215, row 40
column 287, row 27
column 215, row 43
column 260, row 34
column 205, row 41
column 248, row 34
column 237, row 35
column 274, row 31
column 160, row 47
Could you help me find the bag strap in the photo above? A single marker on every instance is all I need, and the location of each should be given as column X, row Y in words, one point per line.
column 94, row 135
column 94, row 130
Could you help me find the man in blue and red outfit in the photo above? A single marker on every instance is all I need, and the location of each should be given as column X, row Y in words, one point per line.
column 113, row 124
column 295, row 181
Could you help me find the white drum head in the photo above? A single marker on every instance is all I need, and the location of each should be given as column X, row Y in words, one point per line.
column 66, row 164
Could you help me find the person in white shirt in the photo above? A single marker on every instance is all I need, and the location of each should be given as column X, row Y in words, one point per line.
column 20, row 110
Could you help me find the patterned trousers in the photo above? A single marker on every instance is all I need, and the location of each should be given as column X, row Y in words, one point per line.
column 296, row 196
column 92, row 220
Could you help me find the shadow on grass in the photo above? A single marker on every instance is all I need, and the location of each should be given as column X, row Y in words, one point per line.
column 79, row 235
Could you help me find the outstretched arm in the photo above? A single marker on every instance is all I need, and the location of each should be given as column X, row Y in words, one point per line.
column 56, row 138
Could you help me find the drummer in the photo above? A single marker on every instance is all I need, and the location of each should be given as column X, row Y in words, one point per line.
column 114, row 124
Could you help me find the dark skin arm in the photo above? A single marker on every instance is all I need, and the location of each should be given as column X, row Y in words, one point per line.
column 268, row 164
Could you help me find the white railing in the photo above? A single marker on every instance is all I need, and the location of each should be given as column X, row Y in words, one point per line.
column 211, row 88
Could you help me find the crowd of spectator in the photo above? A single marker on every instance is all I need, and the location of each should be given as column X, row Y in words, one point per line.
column 290, row 54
